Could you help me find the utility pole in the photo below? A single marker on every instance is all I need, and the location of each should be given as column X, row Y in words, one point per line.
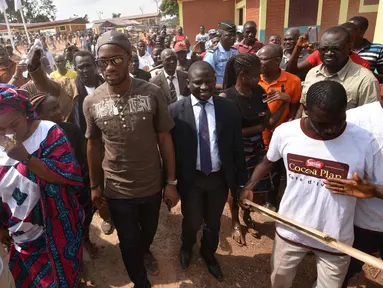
column 158, row 9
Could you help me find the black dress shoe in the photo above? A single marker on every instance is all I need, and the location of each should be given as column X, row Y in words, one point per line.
column 213, row 267
column 185, row 258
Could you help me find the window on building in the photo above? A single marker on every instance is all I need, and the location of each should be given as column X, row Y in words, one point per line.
column 62, row 28
column 240, row 16
column 370, row 2
column 303, row 13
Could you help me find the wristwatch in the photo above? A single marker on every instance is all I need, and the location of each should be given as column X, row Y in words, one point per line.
column 26, row 160
column 174, row 183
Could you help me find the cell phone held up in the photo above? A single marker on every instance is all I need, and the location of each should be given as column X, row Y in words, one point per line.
column 312, row 35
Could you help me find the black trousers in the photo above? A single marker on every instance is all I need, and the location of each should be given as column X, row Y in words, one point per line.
column 136, row 222
column 367, row 241
column 203, row 203
column 278, row 172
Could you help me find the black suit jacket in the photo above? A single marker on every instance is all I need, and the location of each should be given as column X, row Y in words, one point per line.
column 143, row 75
column 161, row 81
column 79, row 101
column 229, row 136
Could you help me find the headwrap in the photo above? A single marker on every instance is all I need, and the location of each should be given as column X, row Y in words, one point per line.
column 13, row 99
column 227, row 26
column 38, row 99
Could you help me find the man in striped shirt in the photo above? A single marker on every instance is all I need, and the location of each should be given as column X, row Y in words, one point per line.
column 373, row 53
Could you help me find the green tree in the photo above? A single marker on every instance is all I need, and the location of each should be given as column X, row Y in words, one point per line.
column 34, row 11
column 169, row 8
column 116, row 15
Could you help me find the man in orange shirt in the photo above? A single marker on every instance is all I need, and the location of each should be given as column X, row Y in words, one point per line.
column 274, row 78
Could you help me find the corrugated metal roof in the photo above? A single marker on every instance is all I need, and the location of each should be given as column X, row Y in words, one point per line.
column 50, row 23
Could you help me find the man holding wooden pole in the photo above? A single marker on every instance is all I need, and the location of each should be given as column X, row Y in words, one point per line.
column 369, row 211
column 314, row 149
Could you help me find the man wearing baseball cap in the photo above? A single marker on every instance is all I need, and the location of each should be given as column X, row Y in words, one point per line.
column 182, row 50
column 212, row 34
column 130, row 116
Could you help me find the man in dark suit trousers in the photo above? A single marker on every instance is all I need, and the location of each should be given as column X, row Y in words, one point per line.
column 209, row 161
column 135, row 71
column 172, row 81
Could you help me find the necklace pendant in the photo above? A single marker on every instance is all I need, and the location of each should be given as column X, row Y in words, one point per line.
column 115, row 111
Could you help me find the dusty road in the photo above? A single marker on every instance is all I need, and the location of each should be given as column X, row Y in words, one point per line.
column 242, row 266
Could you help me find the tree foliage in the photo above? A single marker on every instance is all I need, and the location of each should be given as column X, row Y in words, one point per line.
column 169, row 8
column 116, row 15
column 34, row 11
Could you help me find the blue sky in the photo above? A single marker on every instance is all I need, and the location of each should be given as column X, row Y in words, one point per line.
column 66, row 8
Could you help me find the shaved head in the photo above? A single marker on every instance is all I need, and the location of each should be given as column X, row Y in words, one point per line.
column 200, row 66
column 294, row 32
column 271, row 51
column 167, row 52
column 270, row 57
column 201, row 80
column 59, row 57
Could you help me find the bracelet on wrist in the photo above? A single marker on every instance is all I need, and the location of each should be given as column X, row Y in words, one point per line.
column 27, row 160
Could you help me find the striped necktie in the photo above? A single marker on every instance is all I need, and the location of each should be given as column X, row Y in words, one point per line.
column 173, row 93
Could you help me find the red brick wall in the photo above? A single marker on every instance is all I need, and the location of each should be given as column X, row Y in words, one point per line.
column 330, row 14
column 353, row 10
column 252, row 11
column 275, row 17
column 205, row 12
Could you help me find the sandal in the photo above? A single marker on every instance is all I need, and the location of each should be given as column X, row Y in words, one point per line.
column 236, row 234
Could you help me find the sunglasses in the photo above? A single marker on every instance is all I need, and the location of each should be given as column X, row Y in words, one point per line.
column 333, row 49
column 115, row 61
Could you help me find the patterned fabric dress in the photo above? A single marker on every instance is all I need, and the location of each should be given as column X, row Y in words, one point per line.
column 253, row 112
column 44, row 219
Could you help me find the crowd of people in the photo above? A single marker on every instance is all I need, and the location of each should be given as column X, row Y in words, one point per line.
column 121, row 128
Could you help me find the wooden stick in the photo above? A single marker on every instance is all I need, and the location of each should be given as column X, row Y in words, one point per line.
column 317, row 235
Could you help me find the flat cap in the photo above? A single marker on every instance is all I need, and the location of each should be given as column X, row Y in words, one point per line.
column 116, row 38
column 228, row 26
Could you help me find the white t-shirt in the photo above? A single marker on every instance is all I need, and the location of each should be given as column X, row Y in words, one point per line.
column 145, row 61
column 308, row 162
column 202, row 37
column 369, row 212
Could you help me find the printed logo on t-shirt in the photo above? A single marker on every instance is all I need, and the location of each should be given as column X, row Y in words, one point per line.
column 318, row 168
column 109, row 107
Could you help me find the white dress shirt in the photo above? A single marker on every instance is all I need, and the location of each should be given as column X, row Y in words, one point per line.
column 145, row 61
column 214, row 151
column 175, row 83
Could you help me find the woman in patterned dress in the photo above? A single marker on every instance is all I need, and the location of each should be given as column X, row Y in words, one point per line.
column 241, row 86
column 38, row 179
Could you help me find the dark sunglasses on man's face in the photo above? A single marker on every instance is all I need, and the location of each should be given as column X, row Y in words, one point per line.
column 115, row 61
column 333, row 49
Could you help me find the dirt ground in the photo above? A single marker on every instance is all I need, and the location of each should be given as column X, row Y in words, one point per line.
column 247, row 266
